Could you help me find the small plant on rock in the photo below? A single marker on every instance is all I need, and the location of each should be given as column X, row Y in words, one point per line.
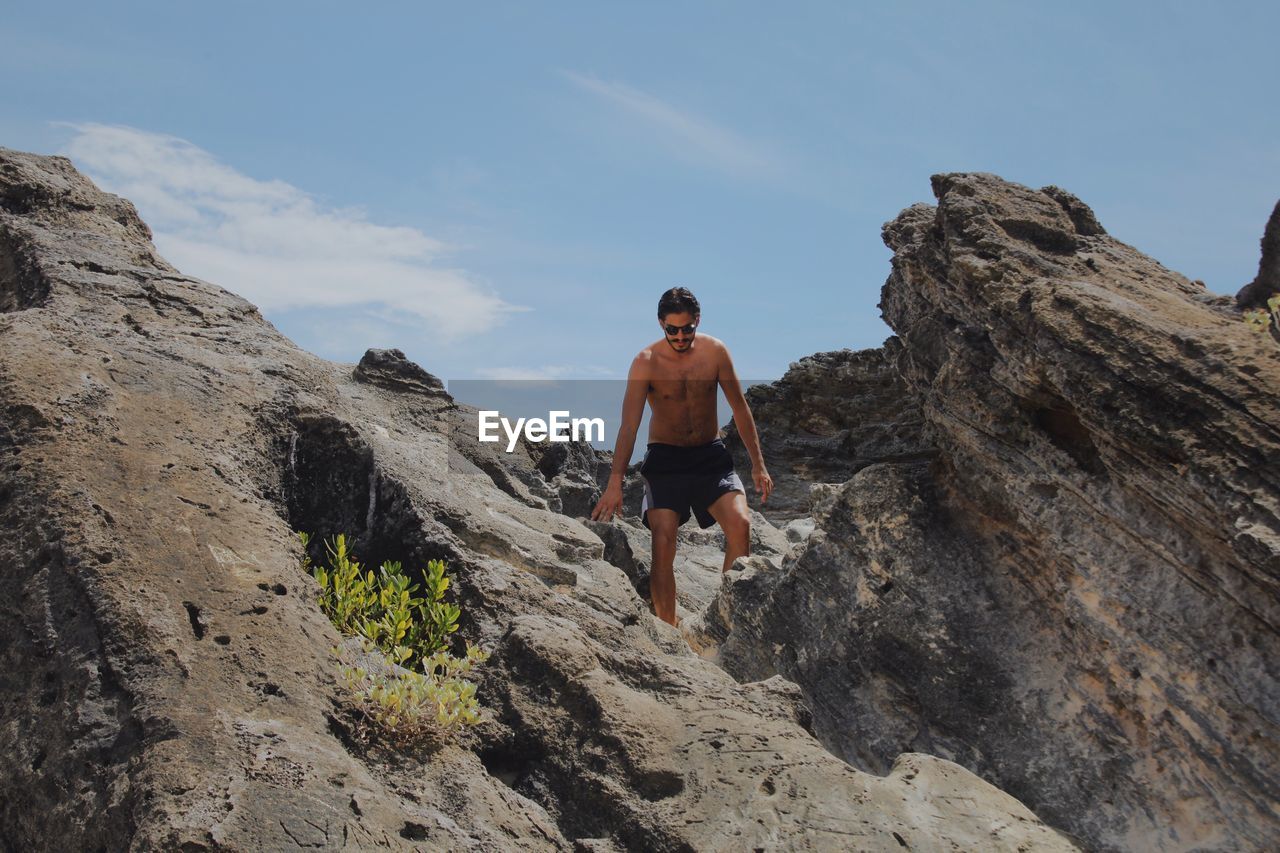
column 420, row 695
column 1260, row 319
column 413, row 707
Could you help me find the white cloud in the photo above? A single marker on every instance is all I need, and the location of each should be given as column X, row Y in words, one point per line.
column 275, row 244
column 686, row 133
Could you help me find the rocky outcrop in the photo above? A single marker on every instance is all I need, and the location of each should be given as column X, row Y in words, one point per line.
column 167, row 680
column 1077, row 598
column 389, row 368
column 1267, row 281
column 831, row 415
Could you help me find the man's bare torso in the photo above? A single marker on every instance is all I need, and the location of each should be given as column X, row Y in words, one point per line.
column 682, row 392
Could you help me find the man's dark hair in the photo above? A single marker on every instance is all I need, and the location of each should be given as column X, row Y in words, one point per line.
column 678, row 300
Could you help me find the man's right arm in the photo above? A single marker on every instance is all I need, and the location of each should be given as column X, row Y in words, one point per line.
column 633, row 399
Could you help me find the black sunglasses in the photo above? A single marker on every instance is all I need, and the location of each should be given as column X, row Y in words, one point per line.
column 675, row 330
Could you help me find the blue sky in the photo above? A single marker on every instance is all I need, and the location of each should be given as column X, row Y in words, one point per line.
column 504, row 189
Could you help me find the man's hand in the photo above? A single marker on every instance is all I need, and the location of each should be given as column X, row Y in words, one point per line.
column 764, row 483
column 609, row 505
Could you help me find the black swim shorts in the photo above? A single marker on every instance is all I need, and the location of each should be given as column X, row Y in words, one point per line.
column 679, row 478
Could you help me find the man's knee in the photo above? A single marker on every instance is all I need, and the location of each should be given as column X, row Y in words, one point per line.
column 737, row 526
column 664, row 539
column 663, row 527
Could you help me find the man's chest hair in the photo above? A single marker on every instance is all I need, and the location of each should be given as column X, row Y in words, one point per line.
column 700, row 368
column 681, row 389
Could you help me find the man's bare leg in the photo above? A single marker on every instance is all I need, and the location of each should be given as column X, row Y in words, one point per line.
column 663, row 524
column 730, row 511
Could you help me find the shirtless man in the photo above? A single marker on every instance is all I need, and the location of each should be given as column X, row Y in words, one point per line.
column 687, row 465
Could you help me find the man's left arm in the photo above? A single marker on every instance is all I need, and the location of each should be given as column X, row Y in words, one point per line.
column 728, row 379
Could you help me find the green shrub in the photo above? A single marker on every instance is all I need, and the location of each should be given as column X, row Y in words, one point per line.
column 413, row 708
column 383, row 607
column 1259, row 319
column 422, row 695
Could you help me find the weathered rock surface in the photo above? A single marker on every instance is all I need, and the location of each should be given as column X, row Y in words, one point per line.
column 167, row 681
column 831, row 415
column 1267, row 281
column 1077, row 599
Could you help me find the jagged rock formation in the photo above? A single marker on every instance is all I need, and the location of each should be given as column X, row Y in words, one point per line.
column 1267, row 281
column 166, row 679
column 1077, row 598
column 833, row 414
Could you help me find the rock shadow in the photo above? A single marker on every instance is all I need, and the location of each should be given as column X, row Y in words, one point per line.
column 330, row 483
column 21, row 284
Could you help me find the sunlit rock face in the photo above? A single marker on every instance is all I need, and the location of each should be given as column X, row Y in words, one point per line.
column 166, row 678
column 1076, row 596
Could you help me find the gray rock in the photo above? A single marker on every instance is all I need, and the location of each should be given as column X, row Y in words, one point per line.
column 1267, row 282
column 1077, row 599
column 799, row 529
column 563, row 477
column 832, row 414
column 390, row 369
column 165, row 672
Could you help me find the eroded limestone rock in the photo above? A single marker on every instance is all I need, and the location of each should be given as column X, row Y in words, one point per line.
column 1077, row 599
column 166, row 677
